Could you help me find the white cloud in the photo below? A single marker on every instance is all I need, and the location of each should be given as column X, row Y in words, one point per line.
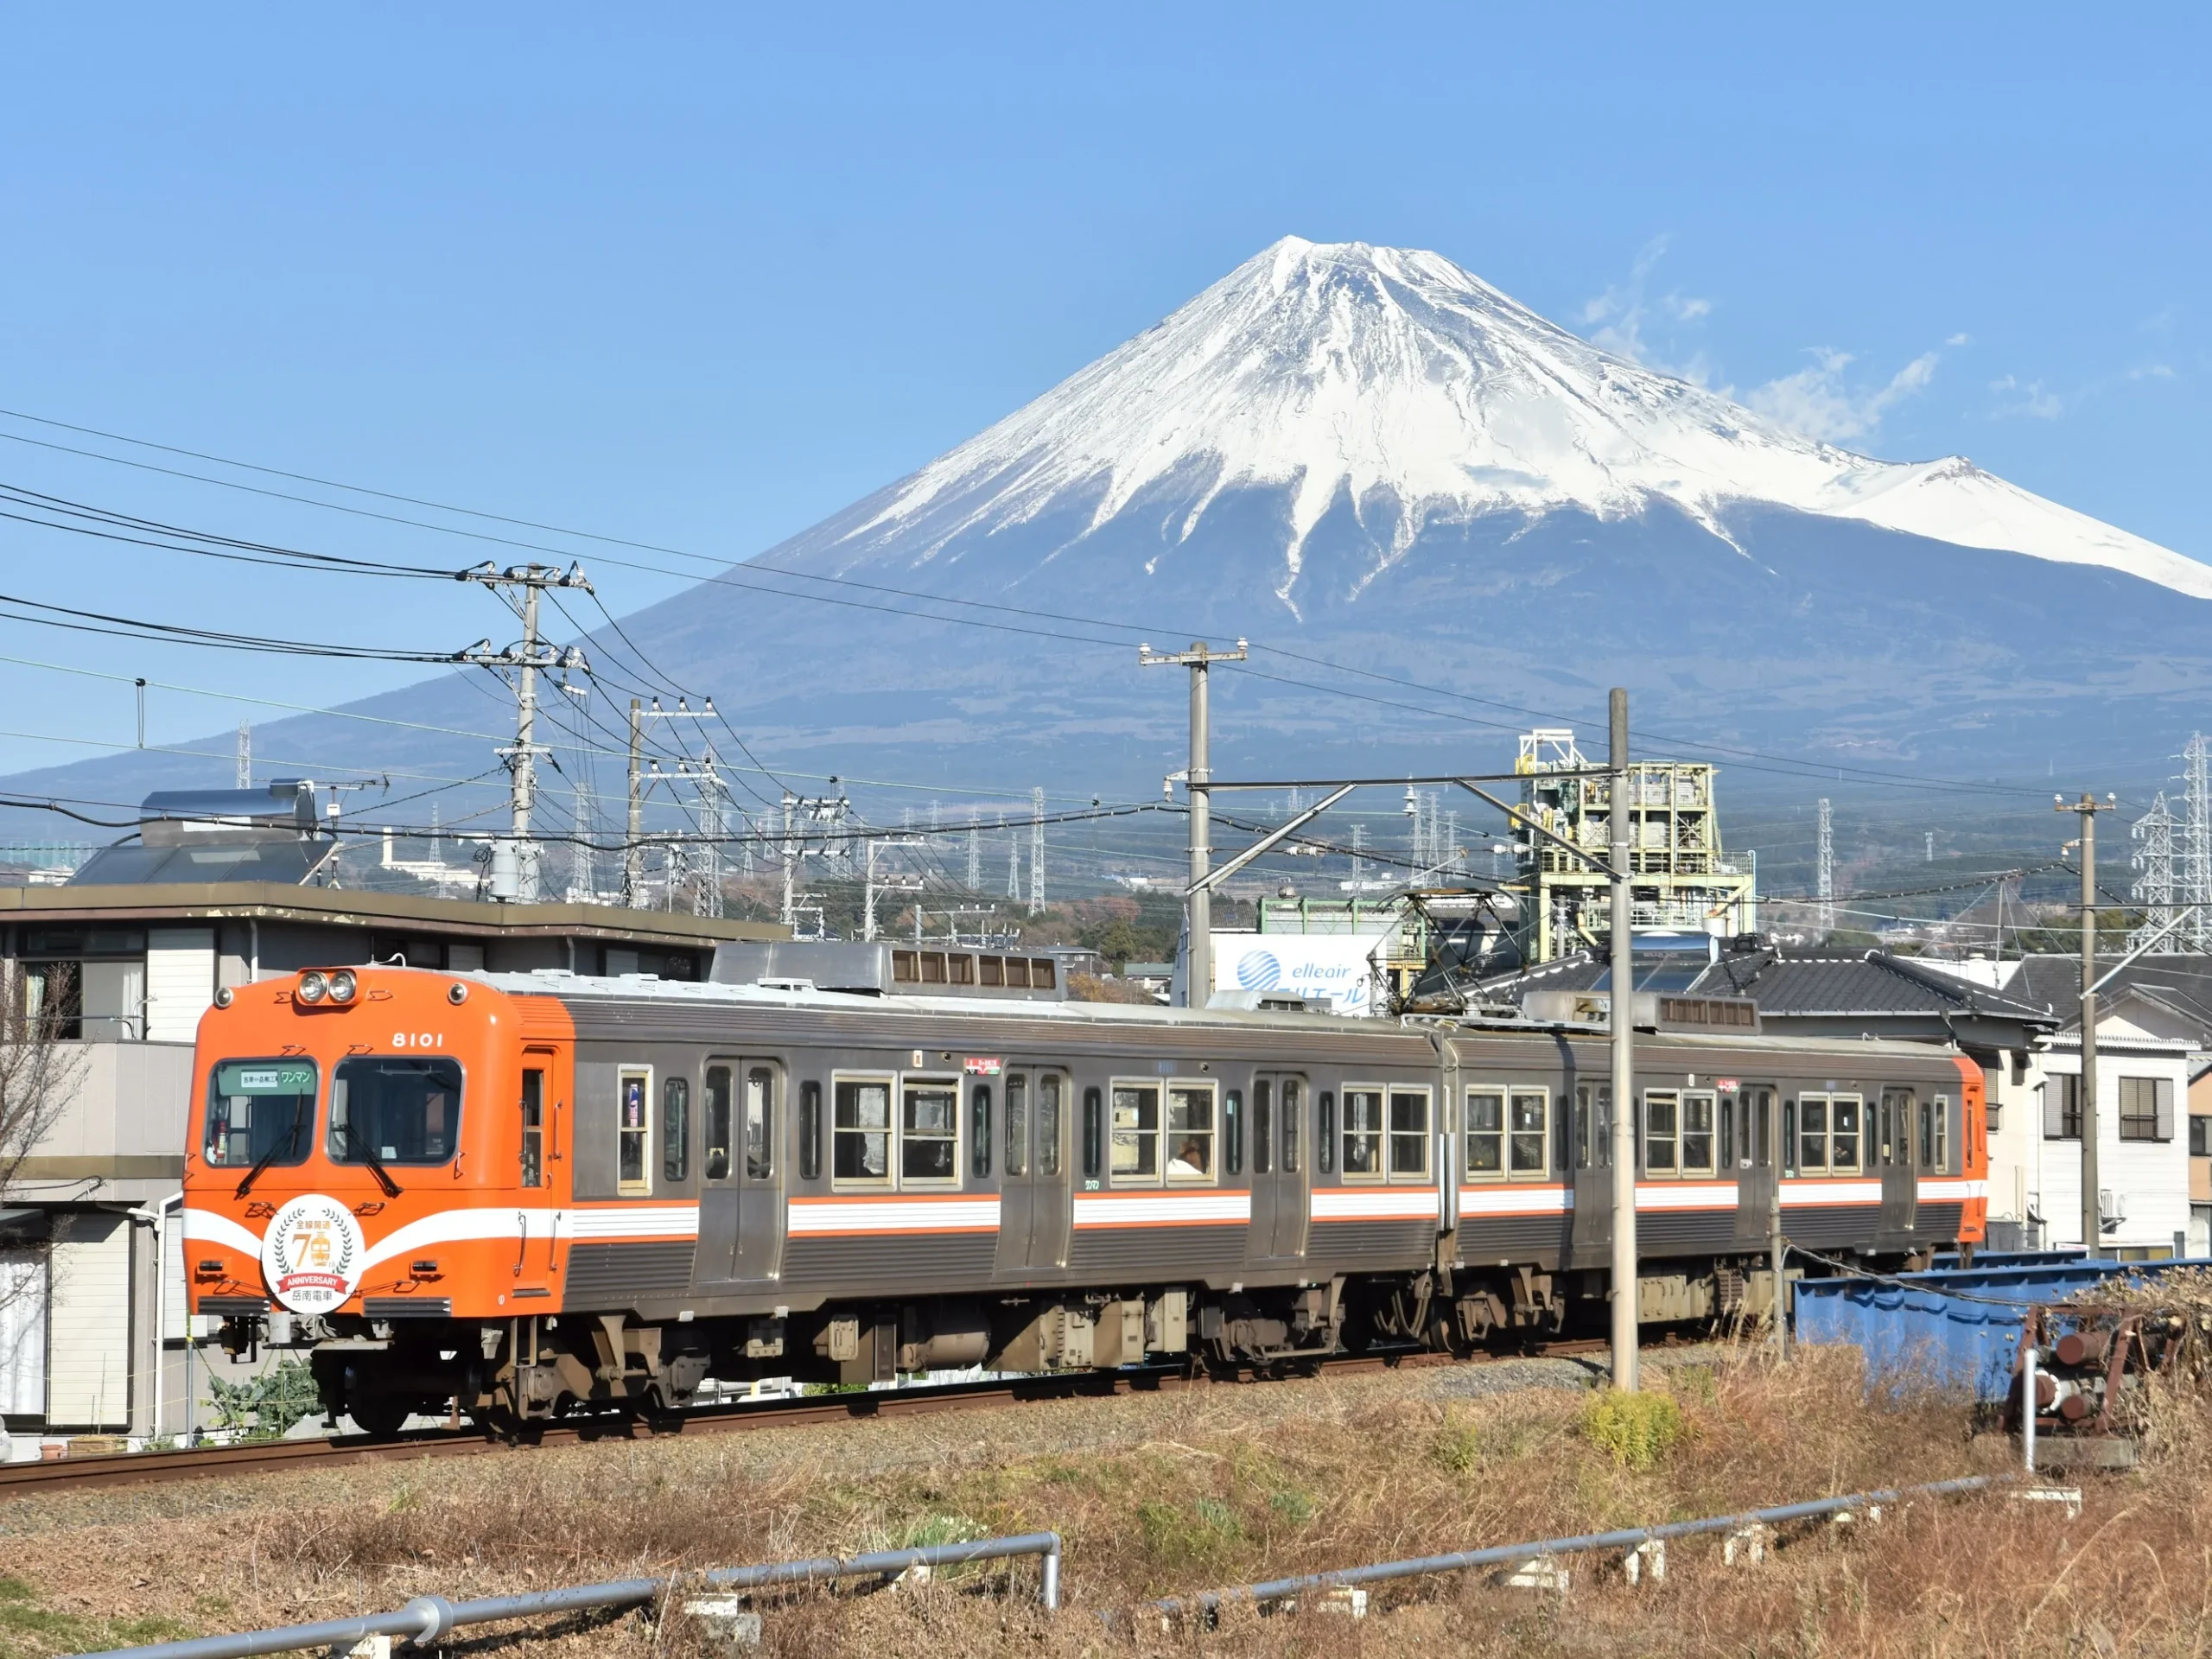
column 2028, row 399
column 2152, row 371
column 1621, row 313
column 1958, row 339
column 1822, row 402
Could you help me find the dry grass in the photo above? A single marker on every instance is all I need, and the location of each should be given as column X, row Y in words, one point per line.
column 1174, row 1493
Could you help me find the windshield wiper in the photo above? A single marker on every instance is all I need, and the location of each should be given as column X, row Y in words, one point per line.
column 369, row 1157
column 288, row 1147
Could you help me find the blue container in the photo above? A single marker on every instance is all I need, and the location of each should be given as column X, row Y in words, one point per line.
column 1956, row 1329
column 1946, row 1259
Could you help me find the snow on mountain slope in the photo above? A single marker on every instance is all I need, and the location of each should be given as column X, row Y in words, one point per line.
column 1426, row 396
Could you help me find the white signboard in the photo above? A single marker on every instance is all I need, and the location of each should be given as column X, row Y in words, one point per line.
column 1332, row 968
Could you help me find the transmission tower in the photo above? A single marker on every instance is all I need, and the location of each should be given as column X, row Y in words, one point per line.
column 975, row 859
column 1824, row 875
column 2153, row 834
column 245, row 755
column 2195, row 886
column 1036, row 852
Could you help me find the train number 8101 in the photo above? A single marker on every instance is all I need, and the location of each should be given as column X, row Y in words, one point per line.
column 419, row 1039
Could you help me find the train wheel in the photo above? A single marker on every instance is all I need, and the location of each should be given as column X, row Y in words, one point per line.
column 379, row 1415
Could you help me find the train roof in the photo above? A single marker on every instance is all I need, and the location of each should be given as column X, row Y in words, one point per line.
column 645, row 988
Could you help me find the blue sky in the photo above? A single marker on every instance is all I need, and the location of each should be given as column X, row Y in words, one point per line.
column 705, row 278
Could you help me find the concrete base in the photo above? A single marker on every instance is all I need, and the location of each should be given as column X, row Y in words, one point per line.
column 2065, row 1453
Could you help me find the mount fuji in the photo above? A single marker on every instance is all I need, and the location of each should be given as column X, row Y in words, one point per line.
column 1380, row 469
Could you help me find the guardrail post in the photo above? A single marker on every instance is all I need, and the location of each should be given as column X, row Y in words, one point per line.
column 1647, row 1559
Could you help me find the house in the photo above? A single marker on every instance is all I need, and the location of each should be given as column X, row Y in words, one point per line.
column 123, row 960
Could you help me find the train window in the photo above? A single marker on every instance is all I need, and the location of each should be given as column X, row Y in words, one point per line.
column 929, row 1131
column 1843, row 1133
column 1935, row 1138
column 1362, row 1134
column 1697, row 1134
column 1017, row 1124
column 1727, row 1111
column 810, row 1130
column 394, row 1109
column 759, row 1123
column 1292, row 1106
column 1051, row 1125
column 1812, row 1134
column 674, row 1128
column 1531, row 1106
column 632, row 1131
column 1324, row 1138
column 1409, row 1135
column 533, row 1127
column 979, row 1127
column 1093, row 1134
column 258, row 1109
column 860, row 1131
column 716, row 1121
column 1485, row 1158
column 1263, row 1106
column 1190, row 1133
column 1136, row 1133
column 1232, row 1132
column 1661, row 1126
column 1593, row 1126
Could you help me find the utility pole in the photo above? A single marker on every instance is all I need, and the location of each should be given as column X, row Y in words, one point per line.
column 527, row 657
column 1621, row 1017
column 2086, row 808
column 245, row 755
column 1197, row 903
column 872, row 889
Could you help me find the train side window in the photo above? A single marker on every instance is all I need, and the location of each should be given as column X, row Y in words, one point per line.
column 1844, row 1112
column 1531, row 1106
column 1728, row 1108
column 1293, row 1105
column 1486, row 1159
column 759, row 1123
column 1264, row 1109
column 674, row 1129
column 1935, row 1135
column 1232, row 1132
column 1662, row 1125
column 929, row 1131
column 1758, row 1126
column 1362, row 1134
column 633, row 1111
column 1190, row 1133
column 1051, row 1124
column 1136, row 1134
column 1893, row 1129
column 1409, row 1135
column 979, row 1127
column 1812, row 1134
column 810, row 1130
column 1789, row 1137
column 1093, row 1132
column 714, row 1124
column 1017, row 1124
column 1593, row 1126
column 533, row 1127
column 1324, row 1138
column 1697, row 1134
column 859, row 1132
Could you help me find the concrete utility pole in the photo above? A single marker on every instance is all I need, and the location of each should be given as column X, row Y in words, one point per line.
column 1622, row 1014
column 527, row 657
column 1197, row 903
column 2086, row 808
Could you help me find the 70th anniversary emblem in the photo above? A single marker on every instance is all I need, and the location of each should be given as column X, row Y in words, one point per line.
column 312, row 1254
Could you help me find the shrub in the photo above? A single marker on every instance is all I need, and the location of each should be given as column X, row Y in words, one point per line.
column 1458, row 1446
column 1638, row 1429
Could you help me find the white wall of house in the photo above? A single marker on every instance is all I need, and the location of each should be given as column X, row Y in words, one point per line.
column 180, row 981
column 2148, row 1179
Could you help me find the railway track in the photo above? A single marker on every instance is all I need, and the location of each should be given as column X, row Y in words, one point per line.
column 261, row 1457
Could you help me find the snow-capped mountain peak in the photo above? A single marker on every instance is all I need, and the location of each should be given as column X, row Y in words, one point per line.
column 1394, row 381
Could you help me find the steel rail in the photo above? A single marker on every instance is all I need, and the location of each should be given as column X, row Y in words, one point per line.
column 1627, row 1538
column 428, row 1620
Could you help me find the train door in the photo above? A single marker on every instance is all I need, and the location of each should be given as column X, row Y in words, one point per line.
column 1280, row 1158
column 542, row 1175
column 1036, row 1206
column 1748, row 1129
column 741, row 1172
column 1893, row 1155
column 1590, row 1159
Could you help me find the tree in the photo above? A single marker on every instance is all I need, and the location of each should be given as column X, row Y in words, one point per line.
column 39, row 1074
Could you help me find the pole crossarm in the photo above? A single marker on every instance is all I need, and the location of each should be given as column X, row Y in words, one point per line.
column 2180, row 915
column 1531, row 825
column 1268, row 843
column 1394, row 783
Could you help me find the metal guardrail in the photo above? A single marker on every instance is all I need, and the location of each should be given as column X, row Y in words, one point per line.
column 1519, row 1554
column 428, row 1620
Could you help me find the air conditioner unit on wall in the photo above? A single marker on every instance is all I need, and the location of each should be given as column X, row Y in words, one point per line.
column 2112, row 1205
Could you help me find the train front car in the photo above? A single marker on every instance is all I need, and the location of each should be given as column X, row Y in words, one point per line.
column 357, row 1182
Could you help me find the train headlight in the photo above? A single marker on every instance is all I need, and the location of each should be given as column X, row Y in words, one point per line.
column 343, row 985
column 456, row 994
column 313, row 986
column 224, row 996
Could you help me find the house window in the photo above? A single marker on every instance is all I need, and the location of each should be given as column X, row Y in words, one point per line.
column 1135, row 1136
column 929, row 1131
column 2146, row 1109
column 859, row 1132
column 1485, row 1134
column 2199, row 1137
column 2061, row 1107
column 1190, row 1132
column 1409, row 1135
column 1362, row 1134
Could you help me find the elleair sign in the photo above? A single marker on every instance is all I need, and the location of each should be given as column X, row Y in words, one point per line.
column 1332, row 968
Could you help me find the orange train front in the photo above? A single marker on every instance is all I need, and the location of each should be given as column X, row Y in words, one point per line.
column 532, row 1194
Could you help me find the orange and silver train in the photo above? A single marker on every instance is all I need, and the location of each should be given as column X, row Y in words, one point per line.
column 520, row 1196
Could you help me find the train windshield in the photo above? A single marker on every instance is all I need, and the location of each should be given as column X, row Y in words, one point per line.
column 385, row 1110
column 259, row 1109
